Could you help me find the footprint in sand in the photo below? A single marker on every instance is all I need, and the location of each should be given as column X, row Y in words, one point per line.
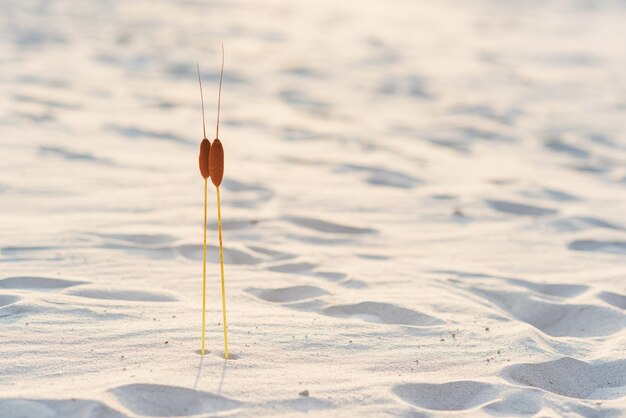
column 301, row 100
column 318, row 240
column 52, row 408
column 381, row 313
column 570, row 377
column 614, row 247
column 381, row 176
column 551, row 194
column 525, row 403
column 504, row 116
column 306, row 298
column 327, row 227
column 234, row 224
column 519, row 208
column 615, row 299
column 156, row 246
column 146, row 245
column 558, row 145
column 287, row 294
column 37, row 283
column 301, row 404
column 240, row 187
column 148, row 240
column 306, row 268
column 341, row 279
column 170, row 401
column 274, row 254
column 562, row 290
column 451, row 396
column 123, row 295
column 231, row 255
column 157, row 253
column 69, row 155
column 44, row 101
column 137, row 132
column 468, row 274
column 12, row 254
column 331, row 275
column 6, row 300
column 582, row 223
column 557, row 319
column 293, row 267
column 247, row 195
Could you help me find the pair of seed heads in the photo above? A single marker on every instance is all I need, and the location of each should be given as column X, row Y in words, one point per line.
column 211, row 158
column 211, row 163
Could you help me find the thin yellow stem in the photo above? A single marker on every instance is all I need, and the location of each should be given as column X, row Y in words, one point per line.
column 204, row 271
column 219, row 229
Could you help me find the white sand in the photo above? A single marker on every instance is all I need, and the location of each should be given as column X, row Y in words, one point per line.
column 423, row 209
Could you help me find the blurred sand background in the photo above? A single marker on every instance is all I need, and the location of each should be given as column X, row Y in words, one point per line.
column 423, row 208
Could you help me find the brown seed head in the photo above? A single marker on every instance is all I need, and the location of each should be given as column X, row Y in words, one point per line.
column 216, row 162
column 205, row 152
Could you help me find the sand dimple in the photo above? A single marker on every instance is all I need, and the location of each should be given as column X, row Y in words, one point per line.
column 383, row 313
column 123, row 295
column 451, row 396
column 557, row 319
column 170, row 401
column 37, row 283
column 519, row 208
column 287, row 294
column 52, row 408
column 570, row 377
column 616, row 247
column 329, row 227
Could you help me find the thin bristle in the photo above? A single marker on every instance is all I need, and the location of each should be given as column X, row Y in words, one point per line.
column 219, row 97
column 202, row 101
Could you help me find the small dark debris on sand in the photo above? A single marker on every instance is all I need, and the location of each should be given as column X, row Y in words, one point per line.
column 305, row 392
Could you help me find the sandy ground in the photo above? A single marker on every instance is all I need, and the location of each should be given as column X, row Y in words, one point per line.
column 423, row 208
